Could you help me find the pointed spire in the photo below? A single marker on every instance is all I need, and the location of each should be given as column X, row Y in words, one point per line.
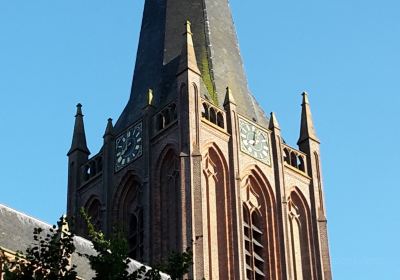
column 307, row 130
column 188, row 56
column 79, row 136
column 109, row 128
column 273, row 122
column 229, row 97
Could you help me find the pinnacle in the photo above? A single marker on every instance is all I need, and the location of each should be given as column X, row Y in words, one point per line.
column 307, row 130
column 109, row 128
column 79, row 136
column 273, row 122
column 188, row 59
column 188, row 28
column 229, row 97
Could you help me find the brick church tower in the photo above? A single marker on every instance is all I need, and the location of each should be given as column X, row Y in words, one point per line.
column 193, row 161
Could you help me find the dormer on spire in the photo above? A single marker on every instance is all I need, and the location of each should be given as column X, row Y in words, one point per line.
column 307, row 130
column 79, row 136
column 188, row 59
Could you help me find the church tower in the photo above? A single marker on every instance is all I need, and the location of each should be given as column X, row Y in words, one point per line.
column 193, row 161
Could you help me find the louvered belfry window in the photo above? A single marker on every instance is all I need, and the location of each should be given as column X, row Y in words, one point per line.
column 254, row 248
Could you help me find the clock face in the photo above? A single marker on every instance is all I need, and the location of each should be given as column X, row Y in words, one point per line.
column 254, row 141
column 128, row 146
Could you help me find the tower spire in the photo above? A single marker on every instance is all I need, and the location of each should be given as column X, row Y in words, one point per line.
column 79, row 136
column 307, row 130
column 215, row 48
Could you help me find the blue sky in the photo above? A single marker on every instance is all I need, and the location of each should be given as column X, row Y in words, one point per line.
column 345, row 53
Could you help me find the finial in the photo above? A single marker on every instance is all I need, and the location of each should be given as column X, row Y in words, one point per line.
column 188, row 28
column 79, row 110
column 273, row 122
column 305, row 97
column 229, row 97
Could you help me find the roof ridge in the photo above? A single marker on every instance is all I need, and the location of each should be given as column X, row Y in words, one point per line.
column 24, row 214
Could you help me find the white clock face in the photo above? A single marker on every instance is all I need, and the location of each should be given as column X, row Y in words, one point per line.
column 254, row 141
column 128, row 146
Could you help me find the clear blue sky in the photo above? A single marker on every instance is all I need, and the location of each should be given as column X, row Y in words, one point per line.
column 345, row 53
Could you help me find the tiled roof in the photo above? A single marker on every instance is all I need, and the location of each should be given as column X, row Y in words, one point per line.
column 16, row 234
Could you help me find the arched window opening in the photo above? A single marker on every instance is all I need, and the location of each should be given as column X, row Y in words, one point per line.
column 217, row 215
column 135, row 234
column 301, row 164
column 129, row 214
column 167, row 117
column 160, row 121
column 293, row 159
column 259, row 229
column 205, row 111
column 213, row 116
column 220, row 120
column 93, row 210
column 286, row 156
column 169, row 203
column 299, row 235
column 86, row 172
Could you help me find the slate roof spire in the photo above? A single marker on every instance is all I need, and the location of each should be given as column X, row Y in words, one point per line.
column 79, row 136
column 216, row 50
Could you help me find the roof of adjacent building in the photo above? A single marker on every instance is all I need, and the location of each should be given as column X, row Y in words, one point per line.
column 217, row 52
column 16, row 234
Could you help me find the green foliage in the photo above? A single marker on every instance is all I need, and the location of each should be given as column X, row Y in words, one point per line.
column 112, row 260
column 207, row 78
column 47, row 259
column 178, row 264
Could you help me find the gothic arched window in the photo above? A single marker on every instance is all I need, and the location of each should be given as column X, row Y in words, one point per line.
column 93, row 209
column 169, row 203
column 300, row 237
column 129, row 215
column 259, row 229
column 216, row 216
column 135, row 233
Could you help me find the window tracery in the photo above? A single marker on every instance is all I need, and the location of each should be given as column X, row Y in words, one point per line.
column 260, row 237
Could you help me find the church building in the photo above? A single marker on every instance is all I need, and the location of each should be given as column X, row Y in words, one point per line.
column 194, row 162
